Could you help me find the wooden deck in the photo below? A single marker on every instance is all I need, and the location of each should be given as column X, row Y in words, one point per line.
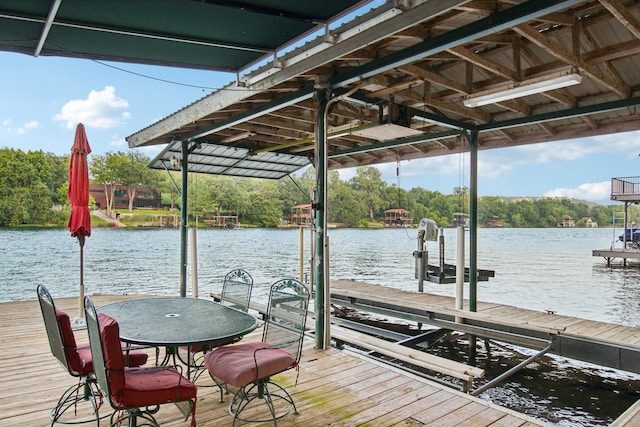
column 334, row 387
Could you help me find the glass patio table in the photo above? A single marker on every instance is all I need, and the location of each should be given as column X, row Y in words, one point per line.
column 176, row 322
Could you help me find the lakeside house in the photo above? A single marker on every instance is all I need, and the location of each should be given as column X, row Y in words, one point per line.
column 397, row 218
column 146, row 197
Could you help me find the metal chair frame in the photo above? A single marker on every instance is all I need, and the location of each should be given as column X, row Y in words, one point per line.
column 86, row 389
column 283, row 329
column 236, row 293
column 120, row 412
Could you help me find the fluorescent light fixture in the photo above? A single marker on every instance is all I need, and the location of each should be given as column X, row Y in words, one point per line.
column 518, row 90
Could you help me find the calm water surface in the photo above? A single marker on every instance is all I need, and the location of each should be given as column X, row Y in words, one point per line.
column 539, row 269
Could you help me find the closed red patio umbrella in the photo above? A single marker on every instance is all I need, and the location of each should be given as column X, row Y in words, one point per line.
column 80, row 220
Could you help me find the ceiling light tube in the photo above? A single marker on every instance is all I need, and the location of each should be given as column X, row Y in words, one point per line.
column 518, row 90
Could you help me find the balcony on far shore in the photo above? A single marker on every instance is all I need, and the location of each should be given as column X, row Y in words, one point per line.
column 626, row 189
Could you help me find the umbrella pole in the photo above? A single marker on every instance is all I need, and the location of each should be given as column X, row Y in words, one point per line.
column 81, row 242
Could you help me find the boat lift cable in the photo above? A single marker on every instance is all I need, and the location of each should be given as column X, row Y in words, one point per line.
column 173, row 181
column 398, row 179
column 299, row 188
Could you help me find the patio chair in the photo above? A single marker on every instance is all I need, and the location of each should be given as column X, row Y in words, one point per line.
column 76, row 359
column 236, row 293
column 250, row 366
column 133, row 392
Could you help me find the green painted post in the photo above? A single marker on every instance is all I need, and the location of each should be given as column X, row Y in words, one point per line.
column 473, row 220
column 184, row 219
column 321, row 95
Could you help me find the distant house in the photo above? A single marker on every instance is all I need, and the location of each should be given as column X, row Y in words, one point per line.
column 567, row 222
column 300, row 215
column 146, row 197
column 397, row 218
column 589, row 223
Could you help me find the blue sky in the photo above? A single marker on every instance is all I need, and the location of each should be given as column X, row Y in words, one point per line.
column 44, row 98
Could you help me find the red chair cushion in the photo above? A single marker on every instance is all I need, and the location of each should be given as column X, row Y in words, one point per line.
column 149, row 386
column 78, row 356
column 143, row 386
column 78, row 360
column 134, row 358
column 235, row 364
column 113, row 358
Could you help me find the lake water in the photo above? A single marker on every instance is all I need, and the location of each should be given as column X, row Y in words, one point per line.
column 539, row 269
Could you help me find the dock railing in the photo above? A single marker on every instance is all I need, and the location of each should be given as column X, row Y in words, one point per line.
column 626, row 186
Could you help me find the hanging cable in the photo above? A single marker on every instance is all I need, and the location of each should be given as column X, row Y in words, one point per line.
column 307, row 195
column 398, row 180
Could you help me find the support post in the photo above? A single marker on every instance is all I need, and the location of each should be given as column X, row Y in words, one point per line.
column 184, row 219
column 301, row 239
column 320, row 205
column 460, row 272
column 194, row 263
column 473, row 220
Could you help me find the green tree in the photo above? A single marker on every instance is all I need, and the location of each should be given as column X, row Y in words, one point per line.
column 345, row 206
column 370, row 186
column 265, row 208
column 25, row 195
column 104, row 171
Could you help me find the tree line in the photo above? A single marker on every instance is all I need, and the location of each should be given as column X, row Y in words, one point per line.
column 33, row 182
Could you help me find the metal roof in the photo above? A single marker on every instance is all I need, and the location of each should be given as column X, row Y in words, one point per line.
column 221, row 35
column 402, row 70
column 404, row 73
column 225, row 160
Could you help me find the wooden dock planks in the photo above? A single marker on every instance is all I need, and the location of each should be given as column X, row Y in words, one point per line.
column 619, row 334
column 334, row 387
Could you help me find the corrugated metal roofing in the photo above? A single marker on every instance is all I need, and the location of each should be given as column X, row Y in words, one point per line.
column 420, row 61
column 410, row 63
column 226, row 160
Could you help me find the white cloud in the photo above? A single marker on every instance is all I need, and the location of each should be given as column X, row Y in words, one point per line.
column 590, row 191
column 23, row 129
column 573, row 149
column 101, row 110
column 117, row 141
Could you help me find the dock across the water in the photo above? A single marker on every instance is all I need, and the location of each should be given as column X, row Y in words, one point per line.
column 612, row 254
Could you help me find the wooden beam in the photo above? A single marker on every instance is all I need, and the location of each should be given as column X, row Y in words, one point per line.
column 554, row 48
column 624, row 15
column 478, row 60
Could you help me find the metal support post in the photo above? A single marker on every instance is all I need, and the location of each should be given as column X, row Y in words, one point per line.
column 322, row 96
column 184, row 219
column 473, row 220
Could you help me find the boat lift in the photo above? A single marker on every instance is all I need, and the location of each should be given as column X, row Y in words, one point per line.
column 442, row 273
